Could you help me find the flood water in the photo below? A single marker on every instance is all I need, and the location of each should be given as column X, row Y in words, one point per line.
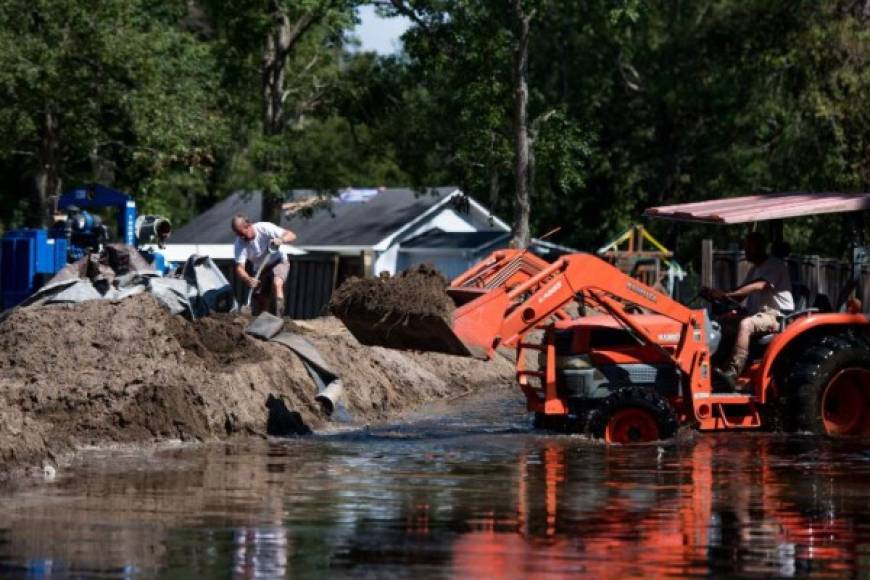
column 466, row 490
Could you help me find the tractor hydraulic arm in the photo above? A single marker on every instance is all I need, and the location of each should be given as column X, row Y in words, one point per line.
column 502, row 316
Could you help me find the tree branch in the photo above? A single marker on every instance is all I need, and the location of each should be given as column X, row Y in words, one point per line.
column 291, row 33
column 406, row 10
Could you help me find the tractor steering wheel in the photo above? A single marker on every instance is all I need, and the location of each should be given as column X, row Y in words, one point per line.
column 720, row 302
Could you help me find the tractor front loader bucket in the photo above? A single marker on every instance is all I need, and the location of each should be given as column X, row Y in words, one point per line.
column 406, row 332
column 471, row 332
column 480, row 296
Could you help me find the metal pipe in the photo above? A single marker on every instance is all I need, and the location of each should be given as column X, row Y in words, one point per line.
column 330, row 397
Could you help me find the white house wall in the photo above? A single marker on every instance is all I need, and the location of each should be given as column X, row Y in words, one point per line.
column 386, row 261
column 449, row 220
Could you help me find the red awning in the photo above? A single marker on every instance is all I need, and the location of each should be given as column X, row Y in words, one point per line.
column 755, row 208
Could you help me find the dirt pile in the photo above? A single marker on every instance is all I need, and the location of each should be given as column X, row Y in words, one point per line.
column 411, row 311
column 99, row 372
column 417, row 291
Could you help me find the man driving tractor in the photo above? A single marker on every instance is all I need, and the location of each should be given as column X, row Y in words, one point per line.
column 258, row 243
column 766, row 291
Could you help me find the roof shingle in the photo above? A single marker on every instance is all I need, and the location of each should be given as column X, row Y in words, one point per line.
column 340, row 223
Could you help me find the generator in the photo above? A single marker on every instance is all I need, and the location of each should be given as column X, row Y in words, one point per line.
column 31, row 256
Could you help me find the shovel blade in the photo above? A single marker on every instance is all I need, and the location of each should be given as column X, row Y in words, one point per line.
column 407, row 332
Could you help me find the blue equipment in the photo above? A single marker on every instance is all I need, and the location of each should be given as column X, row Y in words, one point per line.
column 29, row 257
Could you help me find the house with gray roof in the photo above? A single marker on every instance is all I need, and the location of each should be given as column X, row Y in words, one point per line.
column 386, row 229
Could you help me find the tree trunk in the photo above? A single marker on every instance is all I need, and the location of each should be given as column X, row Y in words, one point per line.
column 272, row 97
column 278, row 43
column 47, row 179
column 274, row 73
column 522, row 204
column 494, row 186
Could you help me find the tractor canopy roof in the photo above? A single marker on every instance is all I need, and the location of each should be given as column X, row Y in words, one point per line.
column 762, row 207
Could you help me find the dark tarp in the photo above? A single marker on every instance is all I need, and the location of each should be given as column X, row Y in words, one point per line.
column 328, row 383
column 119, row 271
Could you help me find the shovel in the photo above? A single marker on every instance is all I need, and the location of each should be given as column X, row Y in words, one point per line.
column 270, row 259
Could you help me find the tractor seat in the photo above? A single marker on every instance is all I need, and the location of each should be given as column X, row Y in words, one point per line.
column 759, row 343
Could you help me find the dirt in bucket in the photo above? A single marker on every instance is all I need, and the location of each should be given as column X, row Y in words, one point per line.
column 420, row 291
column 411, row 311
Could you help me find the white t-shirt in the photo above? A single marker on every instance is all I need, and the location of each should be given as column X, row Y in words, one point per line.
column 777, row 296
column 257, row 250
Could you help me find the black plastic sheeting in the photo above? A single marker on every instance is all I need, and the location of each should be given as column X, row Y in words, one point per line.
column 330, row 390
column 119, row 271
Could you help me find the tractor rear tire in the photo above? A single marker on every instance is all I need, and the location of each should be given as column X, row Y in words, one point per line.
column 827, row 391
column 632, row 415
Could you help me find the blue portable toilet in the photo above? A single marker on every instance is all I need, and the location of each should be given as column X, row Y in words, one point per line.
column 28, row 258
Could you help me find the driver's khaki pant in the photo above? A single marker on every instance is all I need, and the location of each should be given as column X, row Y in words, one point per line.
column 761, row 322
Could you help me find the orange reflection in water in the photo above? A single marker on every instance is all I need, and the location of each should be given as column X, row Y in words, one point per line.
column 722, row 508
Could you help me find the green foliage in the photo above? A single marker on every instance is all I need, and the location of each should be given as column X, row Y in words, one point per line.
column 326, row 135
column 322, row 156
column 460, row 101
column 632, row 104
column 737, row 98
column 657, row 103
column 131, row 94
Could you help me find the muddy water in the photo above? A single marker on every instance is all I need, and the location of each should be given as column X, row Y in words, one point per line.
column 465, row 490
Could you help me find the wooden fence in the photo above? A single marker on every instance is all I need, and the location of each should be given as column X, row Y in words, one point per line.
column 825, row 277
column 307, row 290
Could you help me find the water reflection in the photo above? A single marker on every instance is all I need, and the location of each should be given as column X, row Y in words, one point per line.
column 468, row 502
column 260, row 552
column 763, row 507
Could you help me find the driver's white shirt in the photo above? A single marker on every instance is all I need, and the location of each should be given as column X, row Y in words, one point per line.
column 777, row 295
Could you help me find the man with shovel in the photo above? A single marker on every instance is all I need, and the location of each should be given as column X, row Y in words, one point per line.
column 259, row 243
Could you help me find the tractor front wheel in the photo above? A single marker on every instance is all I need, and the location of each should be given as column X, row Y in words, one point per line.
column 632, row 415
column 828, row 391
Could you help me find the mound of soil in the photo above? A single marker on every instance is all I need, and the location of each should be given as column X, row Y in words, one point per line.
column 417, row 291
column 98, row 372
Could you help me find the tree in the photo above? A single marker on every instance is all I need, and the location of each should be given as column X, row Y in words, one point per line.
column 473, row 60
column 656, row 102
column 294, row 47
column 115, row 90
column 709, row 99
column 521, row 18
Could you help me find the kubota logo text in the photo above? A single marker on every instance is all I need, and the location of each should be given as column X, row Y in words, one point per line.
column 648, row 294
column 550, row 291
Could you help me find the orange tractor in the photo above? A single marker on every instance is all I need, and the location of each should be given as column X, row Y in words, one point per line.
column 640, row 366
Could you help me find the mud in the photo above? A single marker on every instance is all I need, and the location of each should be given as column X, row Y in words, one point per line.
column 99, row 373
column 417, row 291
